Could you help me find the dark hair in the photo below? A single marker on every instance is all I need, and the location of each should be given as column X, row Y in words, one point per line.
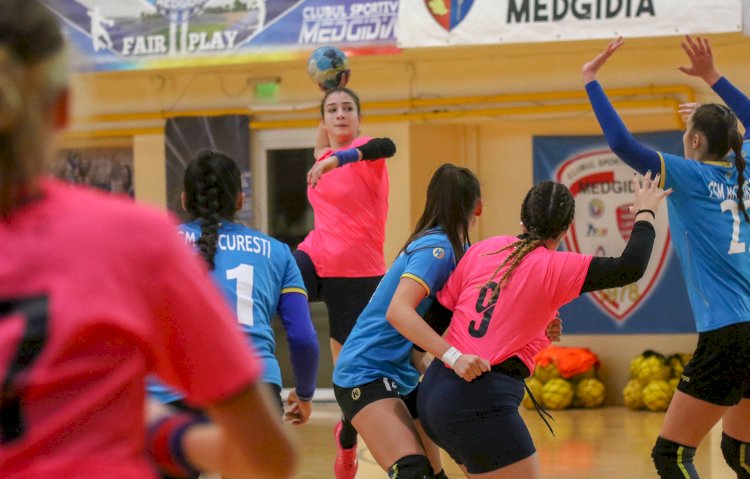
column 212, row 184
column 339, row 89
column 719, row 125
column 452, row 196
column 29, row 36
column 546, row 212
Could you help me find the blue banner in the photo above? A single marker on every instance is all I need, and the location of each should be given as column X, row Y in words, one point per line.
column 600, row 183
column 137, row 34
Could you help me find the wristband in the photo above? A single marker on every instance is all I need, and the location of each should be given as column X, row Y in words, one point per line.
column 451, row 356
column 164, row 444
column 653, row 215
column 347, row 156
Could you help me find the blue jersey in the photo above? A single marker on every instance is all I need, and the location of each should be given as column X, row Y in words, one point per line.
column 252, row 270
column 711, row 237
column 374, row 348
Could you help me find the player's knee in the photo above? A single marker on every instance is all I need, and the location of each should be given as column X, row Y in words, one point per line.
column 411, row 467
column 736, row 454
column 673, row 460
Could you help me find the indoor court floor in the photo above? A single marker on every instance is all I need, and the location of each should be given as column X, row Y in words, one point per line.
column 605, row 443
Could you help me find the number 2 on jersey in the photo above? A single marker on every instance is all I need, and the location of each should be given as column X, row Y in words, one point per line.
column 33, row 311
column 735, row 246
column 244, row 292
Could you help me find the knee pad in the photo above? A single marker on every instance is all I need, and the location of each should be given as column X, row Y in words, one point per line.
column 411, row 467
column 673, row 460
column 737, row 455
column 441, row 475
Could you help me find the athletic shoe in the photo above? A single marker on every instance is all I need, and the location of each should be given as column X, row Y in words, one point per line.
column 346, row 459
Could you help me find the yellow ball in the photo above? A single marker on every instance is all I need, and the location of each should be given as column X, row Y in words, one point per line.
column 657, row 395
column 652, row 368
column 535, row 386
column 557, row 393
column 632, row 395
column 545, row 373
column 590, row 392
column 635, row 365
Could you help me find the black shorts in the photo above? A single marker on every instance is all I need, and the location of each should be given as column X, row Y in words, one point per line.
column 352, row 400
column 719, row 371
column 345, row 298
column 477, row 423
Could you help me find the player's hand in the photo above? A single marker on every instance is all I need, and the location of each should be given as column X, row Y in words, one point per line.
column 701, row 60
column 687, row 109
column 648, row 195
column 470, row 367
column 554, row 329
column 320, row 168
column 296, row 411
column 591, row 68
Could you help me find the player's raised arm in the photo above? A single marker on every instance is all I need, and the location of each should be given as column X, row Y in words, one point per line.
column 619, row 138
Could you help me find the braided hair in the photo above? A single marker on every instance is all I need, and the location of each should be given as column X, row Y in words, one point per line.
column 452, row 197
column 719, row 125
column 212, row 186
column 547, row 212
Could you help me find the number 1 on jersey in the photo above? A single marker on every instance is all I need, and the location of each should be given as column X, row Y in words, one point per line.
column 244, row 292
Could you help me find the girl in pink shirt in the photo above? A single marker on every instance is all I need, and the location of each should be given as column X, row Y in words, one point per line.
column 502, row 295
column 96, row 293
column 342, row 259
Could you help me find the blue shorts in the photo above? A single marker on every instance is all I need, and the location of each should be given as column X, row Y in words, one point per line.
column 476, row 422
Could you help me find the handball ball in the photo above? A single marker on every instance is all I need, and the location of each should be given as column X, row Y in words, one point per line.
column 557, row 394
column 590, row 392
column 536, row 389
column 657, row 395
column 545, row 373
column 327, row 66
column 632, row 395
column 652, row 368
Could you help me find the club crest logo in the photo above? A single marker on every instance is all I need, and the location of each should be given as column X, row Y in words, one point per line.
column 601, row 186
column 438, row 253
column 448, row 13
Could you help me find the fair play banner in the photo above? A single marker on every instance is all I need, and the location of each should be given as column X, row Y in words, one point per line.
column 600, row 184
column 149, row 34
column 429, row 23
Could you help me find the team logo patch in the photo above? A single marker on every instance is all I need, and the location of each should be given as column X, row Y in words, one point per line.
column 356, row 394
column 448, row 13
column 601, row 185
column 438, row 253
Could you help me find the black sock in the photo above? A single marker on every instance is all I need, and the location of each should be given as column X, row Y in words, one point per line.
column 348, row 435
column 377, row 148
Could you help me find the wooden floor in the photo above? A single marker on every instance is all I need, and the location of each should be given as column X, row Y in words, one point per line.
column 607, row 443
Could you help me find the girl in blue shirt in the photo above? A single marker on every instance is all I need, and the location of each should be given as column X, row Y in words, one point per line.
column 710, row 229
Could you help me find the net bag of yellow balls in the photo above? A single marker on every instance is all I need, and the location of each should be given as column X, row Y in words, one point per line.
column 653, row 380
column 565, row 377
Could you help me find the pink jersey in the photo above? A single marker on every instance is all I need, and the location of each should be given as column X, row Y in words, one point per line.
column 350, row 205
column 105, row 292
column 516, row 324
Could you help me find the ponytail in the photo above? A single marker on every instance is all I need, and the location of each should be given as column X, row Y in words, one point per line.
column 11, row 107
column 735, row 142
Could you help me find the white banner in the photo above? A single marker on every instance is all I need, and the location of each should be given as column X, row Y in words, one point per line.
column 426, row 23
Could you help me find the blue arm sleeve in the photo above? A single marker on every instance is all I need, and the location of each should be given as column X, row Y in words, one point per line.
column 736, row 100
column 303, row 342
column 620, row 140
